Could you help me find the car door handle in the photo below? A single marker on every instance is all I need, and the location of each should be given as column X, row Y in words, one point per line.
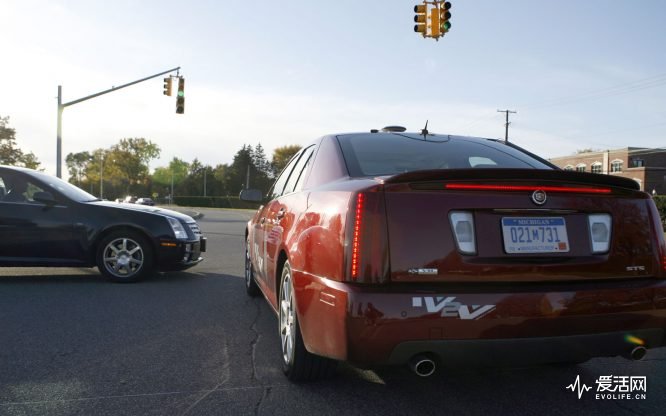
column 280, row 214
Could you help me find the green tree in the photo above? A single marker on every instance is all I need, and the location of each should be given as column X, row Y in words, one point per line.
column 281, row 157
column 163, row 176
column 76, row 165
column 10, row 153
column 128, row 162
column 263, row 171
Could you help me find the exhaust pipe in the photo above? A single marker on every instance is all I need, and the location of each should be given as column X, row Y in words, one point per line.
column 422, row 365
column 638, row 353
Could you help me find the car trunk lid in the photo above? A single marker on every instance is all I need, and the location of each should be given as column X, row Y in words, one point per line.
column 517, row 236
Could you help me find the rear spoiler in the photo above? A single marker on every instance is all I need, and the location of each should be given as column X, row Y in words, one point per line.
column 525, row 175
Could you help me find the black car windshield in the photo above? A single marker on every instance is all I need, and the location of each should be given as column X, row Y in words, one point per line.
column 65, row 188
column 390, row 154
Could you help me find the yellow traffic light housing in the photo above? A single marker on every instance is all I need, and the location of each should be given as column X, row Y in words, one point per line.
column 433, row 25
column 444, row 16
column 167, row 86
column 420, row 18
column 432, row 18
column 180, row 98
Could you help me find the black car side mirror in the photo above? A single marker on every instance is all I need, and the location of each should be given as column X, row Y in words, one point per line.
column 250, row 195
column 44, row 197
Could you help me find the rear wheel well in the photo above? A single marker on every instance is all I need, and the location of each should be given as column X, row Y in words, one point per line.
column 282, row 259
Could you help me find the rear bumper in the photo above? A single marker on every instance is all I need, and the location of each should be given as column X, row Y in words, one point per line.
column 493, row 324
column 522, row 351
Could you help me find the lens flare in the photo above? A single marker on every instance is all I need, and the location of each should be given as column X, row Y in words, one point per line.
column 633, row 340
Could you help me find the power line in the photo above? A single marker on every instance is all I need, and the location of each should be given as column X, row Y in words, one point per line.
column 626, row 88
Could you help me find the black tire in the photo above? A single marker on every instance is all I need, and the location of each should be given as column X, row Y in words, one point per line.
column 297, row 363
column 250, row 284
column 124, row 256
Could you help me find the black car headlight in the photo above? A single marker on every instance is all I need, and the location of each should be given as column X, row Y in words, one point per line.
column 178, row 229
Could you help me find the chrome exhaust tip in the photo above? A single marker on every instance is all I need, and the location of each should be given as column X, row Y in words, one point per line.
column 638, row 353
column 422, row 365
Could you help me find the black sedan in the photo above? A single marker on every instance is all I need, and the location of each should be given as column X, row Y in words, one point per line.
column 45, row 221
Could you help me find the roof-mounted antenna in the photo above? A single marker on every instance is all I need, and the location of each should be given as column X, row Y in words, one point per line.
column 424, row 131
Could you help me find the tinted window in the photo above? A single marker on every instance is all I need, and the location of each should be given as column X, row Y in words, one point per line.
column 18, row 188
column 390, row 154
column 298, row 170
column 278, row 186
column 65, row 188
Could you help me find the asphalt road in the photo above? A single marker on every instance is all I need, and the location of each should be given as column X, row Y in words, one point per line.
column 192, row 343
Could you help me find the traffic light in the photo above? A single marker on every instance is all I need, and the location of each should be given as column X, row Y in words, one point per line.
column 433, row 25
column 180, row 98
column 420, row 18
column 444, row 16
column 167, row 86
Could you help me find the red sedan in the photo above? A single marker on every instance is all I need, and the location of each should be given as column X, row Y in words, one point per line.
column 388, row 247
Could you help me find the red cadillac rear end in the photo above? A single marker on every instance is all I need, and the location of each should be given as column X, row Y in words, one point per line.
column 468, row 250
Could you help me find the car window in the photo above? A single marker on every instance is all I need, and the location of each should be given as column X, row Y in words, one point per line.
column 18, row 188
column 298, row 170
column 304, row 171
column 278, row 186
column 382, row 154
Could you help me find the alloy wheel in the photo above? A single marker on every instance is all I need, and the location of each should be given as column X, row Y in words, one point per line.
column 287, row 327
column 123, row 257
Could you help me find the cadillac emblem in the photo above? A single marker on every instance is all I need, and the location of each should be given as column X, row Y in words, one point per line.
column 539, row 197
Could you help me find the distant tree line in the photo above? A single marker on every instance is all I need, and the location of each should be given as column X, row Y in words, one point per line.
column 123, row 170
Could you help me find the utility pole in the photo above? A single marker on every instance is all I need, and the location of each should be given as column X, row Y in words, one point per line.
column 61, row 108
column 204, row 181
column 101, row 174
column 506, row 126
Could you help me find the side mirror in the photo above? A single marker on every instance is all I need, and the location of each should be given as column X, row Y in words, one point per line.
column 44, row 197
column 250, row 195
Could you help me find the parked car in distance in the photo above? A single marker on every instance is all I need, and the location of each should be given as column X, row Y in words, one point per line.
column 45, row 221
column 145, row 201
column 130, row 199
column 392, row 248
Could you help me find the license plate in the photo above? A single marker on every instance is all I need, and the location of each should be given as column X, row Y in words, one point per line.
column 535, row 235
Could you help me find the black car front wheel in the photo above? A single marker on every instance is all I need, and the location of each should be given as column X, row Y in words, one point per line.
column 124, row 256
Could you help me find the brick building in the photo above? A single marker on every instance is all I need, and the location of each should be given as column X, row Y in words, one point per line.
column 644, row 165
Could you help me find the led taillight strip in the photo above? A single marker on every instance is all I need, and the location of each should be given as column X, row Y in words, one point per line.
column 356, row 239
column 566, row 189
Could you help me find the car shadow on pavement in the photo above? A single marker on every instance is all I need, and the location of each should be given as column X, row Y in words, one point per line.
column 84, row 276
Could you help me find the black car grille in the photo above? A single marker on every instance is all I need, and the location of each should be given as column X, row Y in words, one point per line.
column 195, row 229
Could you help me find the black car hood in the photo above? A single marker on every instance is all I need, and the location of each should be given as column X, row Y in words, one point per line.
column 143, row 208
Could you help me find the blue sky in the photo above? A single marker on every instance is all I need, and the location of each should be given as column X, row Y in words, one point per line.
column 580, row 74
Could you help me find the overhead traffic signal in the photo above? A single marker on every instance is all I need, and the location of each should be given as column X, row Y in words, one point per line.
column 167, row 86
column 432, row 18
column 420, row 18
column 444, row 16
column 180, row 98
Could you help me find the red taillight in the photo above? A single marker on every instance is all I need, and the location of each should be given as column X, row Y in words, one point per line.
column 356, row 239
column 568, row 189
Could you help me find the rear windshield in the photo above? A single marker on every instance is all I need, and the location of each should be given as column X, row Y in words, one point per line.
column 390, row 154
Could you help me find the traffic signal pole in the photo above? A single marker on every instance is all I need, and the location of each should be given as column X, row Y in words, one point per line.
column 62, row 106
